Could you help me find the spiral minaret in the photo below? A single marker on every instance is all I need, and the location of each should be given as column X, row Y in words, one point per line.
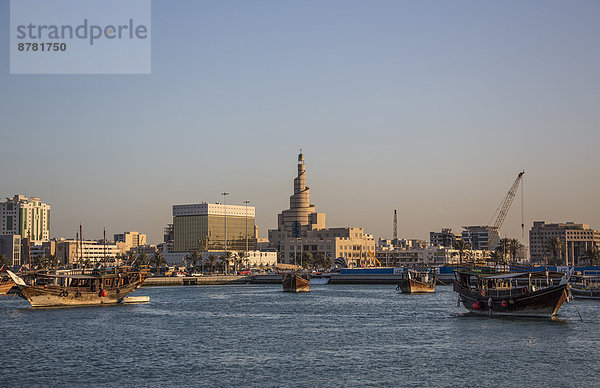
column 298, row 216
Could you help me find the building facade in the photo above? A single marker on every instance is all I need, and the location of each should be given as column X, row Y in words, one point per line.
column 213, row 227
column 478, row 237
column 26, row 217
column 433, row 255
column 129, row 240
column 445, row 238
column 79, row 252
column 577, row 239
column 301, row 229
column 10, row 246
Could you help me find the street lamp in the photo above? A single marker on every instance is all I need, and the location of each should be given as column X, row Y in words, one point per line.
column 225, row 194
column 246, row 203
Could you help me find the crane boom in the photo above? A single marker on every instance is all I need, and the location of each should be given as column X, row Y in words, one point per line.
column 504, row 211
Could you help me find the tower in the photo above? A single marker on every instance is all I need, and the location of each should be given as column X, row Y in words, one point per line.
column 395, row 231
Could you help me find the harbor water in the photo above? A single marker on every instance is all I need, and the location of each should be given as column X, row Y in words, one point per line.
column 256, row 335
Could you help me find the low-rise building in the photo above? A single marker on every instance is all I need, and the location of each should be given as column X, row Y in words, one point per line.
column 446, row 238
column 577, row 238
column 76, row 252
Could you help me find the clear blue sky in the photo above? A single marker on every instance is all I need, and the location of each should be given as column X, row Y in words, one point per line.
column 428, row 107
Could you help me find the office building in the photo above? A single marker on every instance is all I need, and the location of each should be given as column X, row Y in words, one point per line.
column 213, row 227
column 478, row 237
column 28, row 218
column 577, row 238
column 445, row 238
column 129, row 240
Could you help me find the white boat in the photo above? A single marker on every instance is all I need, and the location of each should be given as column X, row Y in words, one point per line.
column 136, row 299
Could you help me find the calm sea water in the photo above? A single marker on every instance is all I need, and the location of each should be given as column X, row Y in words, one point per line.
column 259, row 336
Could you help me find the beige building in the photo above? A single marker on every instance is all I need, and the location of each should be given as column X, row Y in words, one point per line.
column 74, row 252
column 577, row 238
column 128, row 240
column 301, row 229
column 28, row 218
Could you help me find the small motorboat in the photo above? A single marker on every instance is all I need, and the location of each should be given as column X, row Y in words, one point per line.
column 136, row 299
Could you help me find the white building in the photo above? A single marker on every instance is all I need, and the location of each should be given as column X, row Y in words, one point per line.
column 73, row 251
column 28, row 218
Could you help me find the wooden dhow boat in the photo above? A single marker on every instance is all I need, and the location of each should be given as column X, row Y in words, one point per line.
column 417, row 282
column 585, row 286
column 6, row 283
column 527, row 294
column 296, row 282
column 78, row 289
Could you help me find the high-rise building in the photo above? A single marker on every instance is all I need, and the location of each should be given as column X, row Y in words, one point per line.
column 301, row 229
column 577, row 239
column 213, row 227
column 28, row 218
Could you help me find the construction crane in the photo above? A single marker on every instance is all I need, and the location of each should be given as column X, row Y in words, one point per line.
column 493, row 237
column 373, row 258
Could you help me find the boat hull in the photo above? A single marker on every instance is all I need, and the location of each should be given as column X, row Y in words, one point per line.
column 543, row 303
column 412, row 286
column 55, row 296
column 582, row 293
column 295, row 283
column 5, row 286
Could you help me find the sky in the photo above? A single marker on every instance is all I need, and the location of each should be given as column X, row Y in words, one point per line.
column 428, row 107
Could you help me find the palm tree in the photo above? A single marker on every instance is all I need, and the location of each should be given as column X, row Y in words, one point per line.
column 240, row 259
column 496, row 257
column 212, row 259
column 226, row 258
column 592, row 255
column 462, row 247
column 53, row 261
column 504, row 249
column 193, row 258
column 514, row 247
column 158, row 260
column 141, row 260
column 556, row 246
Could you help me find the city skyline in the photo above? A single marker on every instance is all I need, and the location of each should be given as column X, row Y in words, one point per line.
column 428, row 108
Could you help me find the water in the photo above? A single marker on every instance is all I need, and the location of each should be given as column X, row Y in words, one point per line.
column 259, row 336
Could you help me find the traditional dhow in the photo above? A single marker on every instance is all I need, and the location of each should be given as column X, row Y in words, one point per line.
column 296, row 282
column 77, row 289
column 586, row 286
column 6, row 283
column 417, row 282
column 528, row 294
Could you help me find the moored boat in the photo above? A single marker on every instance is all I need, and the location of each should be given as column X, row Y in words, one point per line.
column 77, row 289
column 6, row 283
column 585, row 286
column 529, row 294
column 417, row 282
column 295, row 282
